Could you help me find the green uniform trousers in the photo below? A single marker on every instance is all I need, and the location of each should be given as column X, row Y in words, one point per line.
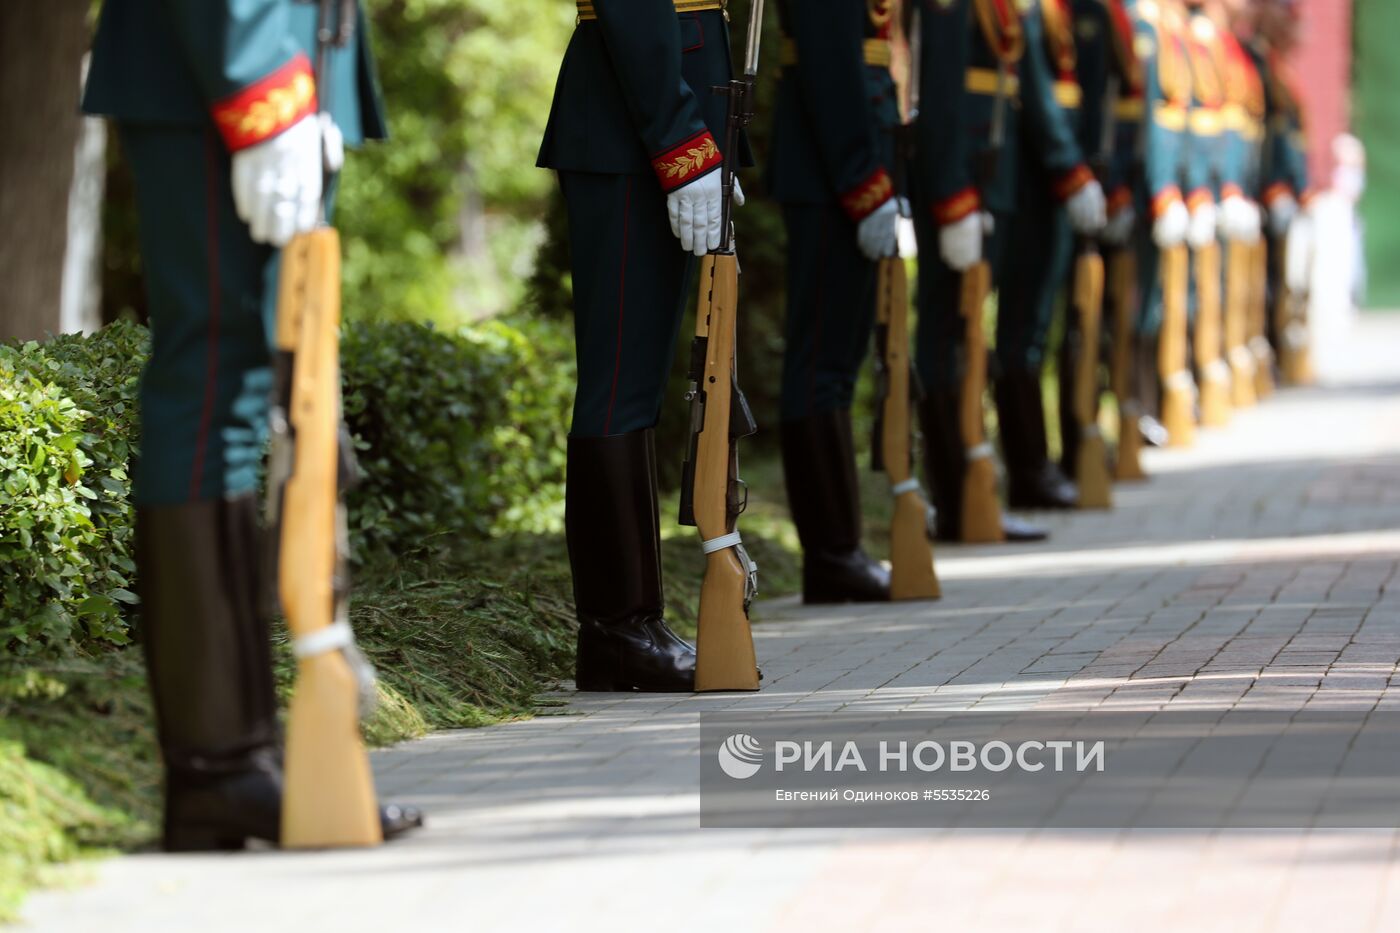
column 212, row 297
column 1039, row 250
column 830, row 310
column 631, row 287
column 938, row 342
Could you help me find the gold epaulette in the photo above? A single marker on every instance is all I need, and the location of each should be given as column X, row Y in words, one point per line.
column 876, row 52
column 1069, row 95
column 586, row 11
column 984, row 81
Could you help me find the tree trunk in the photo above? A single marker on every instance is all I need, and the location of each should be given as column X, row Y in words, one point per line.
column 41, row 50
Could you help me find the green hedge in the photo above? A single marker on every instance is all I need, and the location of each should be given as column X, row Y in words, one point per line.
column 67, row 428
column 458, row 435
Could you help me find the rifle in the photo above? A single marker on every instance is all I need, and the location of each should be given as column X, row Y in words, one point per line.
column 1295, row 353
column 712, row 494
column 1259, row 318
column 1090, row 458
column 1122, row 291
column 1237, row 319
column 981, row 510
column 328, row 795
column 1215, row 373
column 912, row 573
column 1178, row 389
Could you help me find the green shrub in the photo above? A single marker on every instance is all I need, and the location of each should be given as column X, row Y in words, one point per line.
column 459, row 434
column 67, row 426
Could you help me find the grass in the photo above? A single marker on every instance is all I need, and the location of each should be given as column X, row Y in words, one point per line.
column 467, row 640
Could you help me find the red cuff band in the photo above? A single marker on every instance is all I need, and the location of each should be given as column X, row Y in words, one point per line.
column 267, row 107
column 1068, row 184
column 682, row 164
column 1279, row 189
column 1231, row 191
column 1198, row 198
column 1165, row 199
column 1306, row 197
column 1121, row 198
column 954, row 208
column 862, row 200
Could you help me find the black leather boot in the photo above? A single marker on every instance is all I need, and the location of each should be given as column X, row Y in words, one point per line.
column 1149, row 385
column 1065, row 379
column 210, row 668
column 1033, row 480
column 945, row 461
column 819, row 464
column 614, row 536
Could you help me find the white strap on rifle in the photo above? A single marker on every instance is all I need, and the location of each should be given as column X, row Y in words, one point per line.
column 982, row 451
column 723, row 541
column 1181, row 379
column 333, row 637
column 909, row 485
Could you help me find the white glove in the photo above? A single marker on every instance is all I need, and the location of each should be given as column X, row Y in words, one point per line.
column 1169, row 229
column 1254, row 227
column 878, row 232
column 277, row 183
column 1281, row 213
column 1119, row 228
column 1236, row 218
column 960, row 242
column 1088, row 209
column 1200, row 233
column 696, row 209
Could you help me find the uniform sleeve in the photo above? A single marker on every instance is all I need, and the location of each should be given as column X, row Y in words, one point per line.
column 253, row 74
column 1050, row 132
column 942, row 159
column 643, row 40
column 831, row 82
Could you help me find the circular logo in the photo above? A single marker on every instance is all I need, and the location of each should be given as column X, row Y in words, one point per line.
column 740, row 756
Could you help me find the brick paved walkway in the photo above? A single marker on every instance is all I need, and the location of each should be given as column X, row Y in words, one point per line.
column 1258, row 569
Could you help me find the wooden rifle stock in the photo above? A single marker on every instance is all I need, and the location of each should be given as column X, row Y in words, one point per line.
column 328, row 796
column 1122, row 288
column 724, row 649
column 1238, row 268
column 1178, row 388
column 912, row 572
column 1091, row 459
column 1215, row 373
column 1259, row 317
column 981, row 510
column 1291, row 324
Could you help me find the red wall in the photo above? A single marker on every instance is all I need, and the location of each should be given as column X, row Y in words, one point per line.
column 1323, row 70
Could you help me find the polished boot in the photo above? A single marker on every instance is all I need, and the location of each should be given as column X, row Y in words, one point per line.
column 945, row 461
column 209, row 663
column 1069, row 424
column 819, row 464
column 613, row 531
column 1034, row 481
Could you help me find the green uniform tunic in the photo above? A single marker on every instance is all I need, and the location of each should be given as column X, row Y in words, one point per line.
column 954, row 146
column 634, row 118
column 189, row 83
column 832, row 165
column 1162, row 149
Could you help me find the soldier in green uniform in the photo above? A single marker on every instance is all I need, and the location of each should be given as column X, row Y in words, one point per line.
column 968, row 194
column 1160, row 153
column 216, row 109
column 632, row 134
column 1284, row 184
column 832, row 170
column 1110, row 119
column 1039, row 251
